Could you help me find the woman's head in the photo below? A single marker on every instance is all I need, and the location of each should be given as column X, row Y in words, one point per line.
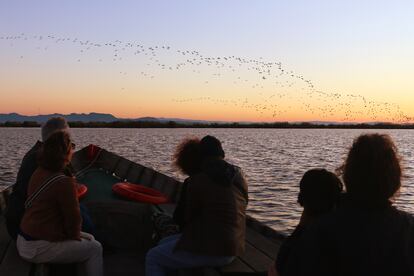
column 56, row 151
column 211, row 147
column 372, row 170
column 53, row 125
column 319, row 191
column 187, row 157
column 191, row 152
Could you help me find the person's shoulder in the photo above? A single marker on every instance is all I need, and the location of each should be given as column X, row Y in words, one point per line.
column 198, row 178
column 60, row 178
column 64, row 184
column 238, row 173
column 30, row 158
column 405, row 217
column 66, row 180
column 34, row 150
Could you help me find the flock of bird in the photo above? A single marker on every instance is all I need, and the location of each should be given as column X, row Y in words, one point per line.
column 272, row 89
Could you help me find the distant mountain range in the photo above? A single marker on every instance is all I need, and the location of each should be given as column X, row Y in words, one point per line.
column 92, row 117
column 109, row 118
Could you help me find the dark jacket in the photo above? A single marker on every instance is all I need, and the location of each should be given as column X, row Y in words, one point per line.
column 357, row 239
column 15, row 205
column 179, row 211
column 287, row 247
column 214, row 218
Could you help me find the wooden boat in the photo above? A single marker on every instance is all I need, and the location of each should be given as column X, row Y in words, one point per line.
column 125, row 227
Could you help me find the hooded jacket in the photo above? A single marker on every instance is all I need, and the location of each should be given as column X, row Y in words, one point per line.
column 214, row 212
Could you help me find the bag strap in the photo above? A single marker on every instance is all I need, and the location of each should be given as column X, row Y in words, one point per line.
column 43, row 187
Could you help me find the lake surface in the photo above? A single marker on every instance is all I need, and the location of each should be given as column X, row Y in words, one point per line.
column 273, row 160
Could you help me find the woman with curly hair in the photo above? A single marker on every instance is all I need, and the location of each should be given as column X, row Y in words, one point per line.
column 366, row 235
column 211, row 211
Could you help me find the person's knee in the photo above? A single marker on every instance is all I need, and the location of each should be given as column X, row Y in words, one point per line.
column 96, row 248
column 152, row 256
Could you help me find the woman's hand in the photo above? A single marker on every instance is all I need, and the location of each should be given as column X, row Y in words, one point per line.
column 86, row 236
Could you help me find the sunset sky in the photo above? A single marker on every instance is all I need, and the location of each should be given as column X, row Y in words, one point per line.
column 235, row 60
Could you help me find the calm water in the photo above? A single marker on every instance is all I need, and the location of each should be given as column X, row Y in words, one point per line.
column 273, row 160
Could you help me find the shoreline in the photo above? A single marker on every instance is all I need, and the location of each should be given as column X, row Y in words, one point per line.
column 172, row 124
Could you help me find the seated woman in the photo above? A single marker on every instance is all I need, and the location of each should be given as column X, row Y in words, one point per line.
column 319, row 192
column 50, row 228
column 212, row 219
column 366, row 235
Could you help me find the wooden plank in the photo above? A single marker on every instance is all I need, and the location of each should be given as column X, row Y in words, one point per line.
column 172, row 188
column 237, row 266
column 167, row 185
column 256, row 259
column 107, row 160
column 146, row 177
column 264, row 229
column 13, row 264
column 158, row 182
column 122, row 168
column 262, row 243
column 79, row 160
column 135, row 173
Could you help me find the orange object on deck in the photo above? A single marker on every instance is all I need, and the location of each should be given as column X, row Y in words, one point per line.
column 139, row 193
column 81, row 191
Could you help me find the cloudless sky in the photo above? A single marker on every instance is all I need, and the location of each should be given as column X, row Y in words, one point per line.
column 362, row 48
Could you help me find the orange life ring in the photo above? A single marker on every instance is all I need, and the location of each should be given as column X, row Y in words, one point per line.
column 139, row 193
column 81, row 191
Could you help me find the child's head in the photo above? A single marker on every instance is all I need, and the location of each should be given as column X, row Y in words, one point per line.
column 319, row 191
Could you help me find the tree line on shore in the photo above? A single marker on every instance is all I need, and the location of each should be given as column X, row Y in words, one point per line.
column 172, row 124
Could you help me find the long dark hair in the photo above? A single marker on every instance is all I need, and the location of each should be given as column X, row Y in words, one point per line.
column 372, row 170
column 54, row 151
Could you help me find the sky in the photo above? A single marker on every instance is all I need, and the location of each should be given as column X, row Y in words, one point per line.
column 212, row 60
